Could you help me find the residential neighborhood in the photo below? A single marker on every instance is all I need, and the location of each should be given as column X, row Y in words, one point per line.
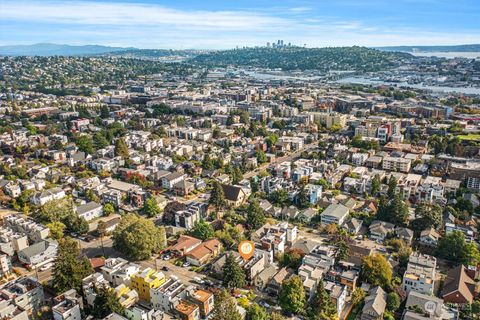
column 125, row 192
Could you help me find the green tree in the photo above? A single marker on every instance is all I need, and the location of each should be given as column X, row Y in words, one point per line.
column 203, row 230
column 233, row 275
column 392, row 186
column 225, row 307
column 255, row 312
column 121, row 148
column 427, row 215
column 104, row 112
column 91, row 196
column 208, row 163
column 376, row 270
column 84, row 143
column 292, row 295
column 217, row 196
column 292, row 258
column 108, row 209
column 376, row 183
column 303, row 198
column 393, row 301
column 280, row 197
column 276, row 316
column 100, row 141
column 321, row 306
column 150, row 208
column 236, row 175
column 261, row 156
column 70, row 268
column 255, row 216
column 56, row 229
column 358, row 296
column 399, row 210
column 453, row 247
column 106, row 302
column 56, row 210
column 76, row 224
column 138, row 237
column 394, row 211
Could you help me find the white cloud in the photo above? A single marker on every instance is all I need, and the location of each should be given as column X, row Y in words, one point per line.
column 157, row 26
column 102, row 13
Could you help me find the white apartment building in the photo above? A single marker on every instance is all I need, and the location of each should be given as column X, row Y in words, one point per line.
column 396, row 164
column 420, row 274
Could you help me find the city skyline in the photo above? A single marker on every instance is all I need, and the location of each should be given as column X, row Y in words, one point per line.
column 220, row 25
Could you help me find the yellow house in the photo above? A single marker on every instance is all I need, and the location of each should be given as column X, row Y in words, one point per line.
column 126, row 296
column 144, row 281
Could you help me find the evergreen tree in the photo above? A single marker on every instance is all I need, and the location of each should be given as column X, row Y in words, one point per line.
column 225, row 307
column 399, row 210
column 392, row 185
column 104, row 112
column 217, row 196
column 121, row 148
column 236, row 175
column 207, row 163
column 376, row 183
column 233, row 275
column 321, row 306
column 69, row 269
column 106, row 302
column 255, row 216
column 292, row 296
column 303, row 198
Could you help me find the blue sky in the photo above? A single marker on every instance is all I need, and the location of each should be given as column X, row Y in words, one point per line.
column 229, row 23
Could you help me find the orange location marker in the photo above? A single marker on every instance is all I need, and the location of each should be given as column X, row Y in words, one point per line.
column 246, row 249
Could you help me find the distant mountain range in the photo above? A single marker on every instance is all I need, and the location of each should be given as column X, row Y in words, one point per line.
column 457, row 48
column 49, row 49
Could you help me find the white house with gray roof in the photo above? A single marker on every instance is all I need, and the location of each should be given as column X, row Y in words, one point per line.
column 90, row 211
column 39, row 253
column 335, row 213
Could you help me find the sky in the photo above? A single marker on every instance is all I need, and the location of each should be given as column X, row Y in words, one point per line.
column 212, row 24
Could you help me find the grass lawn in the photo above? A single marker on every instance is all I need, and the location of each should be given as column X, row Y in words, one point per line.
column 469, row 137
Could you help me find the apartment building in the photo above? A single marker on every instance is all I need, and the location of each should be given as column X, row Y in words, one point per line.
column 26, row 293
column 334, row 213
column 67, row 306
column 396, row 164
column 146, row 280
column 420, row 273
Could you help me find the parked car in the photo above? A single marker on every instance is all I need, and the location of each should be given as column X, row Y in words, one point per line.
column 46, row 266
column 198, row 280
column 186, row 264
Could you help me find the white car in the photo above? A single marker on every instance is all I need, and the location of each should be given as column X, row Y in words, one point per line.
column 46, row 266
column 198, row 280
column 186, row 264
